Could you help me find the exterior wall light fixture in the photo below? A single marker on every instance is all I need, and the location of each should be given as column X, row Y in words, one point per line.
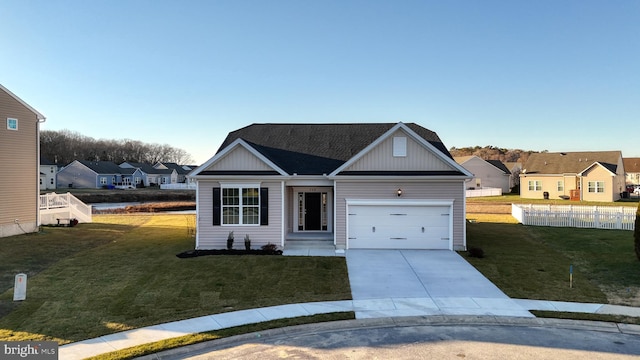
column 399, row 192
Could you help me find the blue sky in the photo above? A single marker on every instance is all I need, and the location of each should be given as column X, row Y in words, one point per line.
column 540, row 75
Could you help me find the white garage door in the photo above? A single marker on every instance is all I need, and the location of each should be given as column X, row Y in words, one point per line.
column 399, row 227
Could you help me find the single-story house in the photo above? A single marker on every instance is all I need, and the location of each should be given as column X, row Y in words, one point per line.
column 180, row 174
column 632, row 171
column 588, row 176
column 151, row 175
column 486, row 173
column 85, row 174
column 369, row 185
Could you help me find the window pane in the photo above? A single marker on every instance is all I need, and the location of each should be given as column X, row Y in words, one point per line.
column 230, row 197
column 230, row 215
column 250, row 215
column 250, row 196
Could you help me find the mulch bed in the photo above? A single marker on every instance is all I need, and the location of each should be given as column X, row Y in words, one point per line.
column 195, row 253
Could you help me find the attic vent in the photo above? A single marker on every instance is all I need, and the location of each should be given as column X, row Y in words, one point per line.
column 399, row 146
column 563, row 154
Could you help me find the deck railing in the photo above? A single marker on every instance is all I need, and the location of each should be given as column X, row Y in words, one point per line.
column 67, row 206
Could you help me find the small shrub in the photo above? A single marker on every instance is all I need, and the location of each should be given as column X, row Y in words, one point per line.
column 476, row 252
column 230, row 241
column 247, row 242
column 271, row 248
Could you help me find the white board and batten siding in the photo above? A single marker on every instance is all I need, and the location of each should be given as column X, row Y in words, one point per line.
column 415, row 157
column 436, row 206
column 215, row 237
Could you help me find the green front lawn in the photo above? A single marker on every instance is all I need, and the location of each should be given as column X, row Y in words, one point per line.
column 121, row 272
column 516, row 199
column 533, row 262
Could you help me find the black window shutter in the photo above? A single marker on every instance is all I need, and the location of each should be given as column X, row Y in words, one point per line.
column 217, row 206
column 264, row 206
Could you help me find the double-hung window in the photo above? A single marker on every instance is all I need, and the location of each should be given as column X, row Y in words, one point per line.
column 240, row 205
column 560, row 186
column 535, row 185
column 596, row 186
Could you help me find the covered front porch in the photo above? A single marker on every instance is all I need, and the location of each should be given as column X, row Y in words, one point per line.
column 310, row 243
column 309, row 220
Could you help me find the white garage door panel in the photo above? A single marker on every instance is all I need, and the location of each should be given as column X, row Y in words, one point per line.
column 399, row 227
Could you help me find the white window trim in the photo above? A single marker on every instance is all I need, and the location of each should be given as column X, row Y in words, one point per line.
column 560, row 185
column 9, row 121
column 240, row 187
column 537, row 185
column 597, row 189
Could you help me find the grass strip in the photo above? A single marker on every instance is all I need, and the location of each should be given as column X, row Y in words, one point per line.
column 621, row 319
column 168, row 344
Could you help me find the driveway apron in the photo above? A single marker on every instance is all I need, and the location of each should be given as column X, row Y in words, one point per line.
column 441, row 281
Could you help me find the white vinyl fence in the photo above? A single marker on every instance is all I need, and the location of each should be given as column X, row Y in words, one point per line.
column 484, row 192
column 596, row 217
column 178, row 186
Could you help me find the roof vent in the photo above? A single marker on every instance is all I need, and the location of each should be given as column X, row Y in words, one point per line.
column 563, row 154
column 545, row 163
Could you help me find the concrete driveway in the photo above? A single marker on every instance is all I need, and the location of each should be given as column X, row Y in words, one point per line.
column 423, row 282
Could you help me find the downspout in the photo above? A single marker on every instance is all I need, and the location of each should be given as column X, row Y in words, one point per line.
column 197, row 229
column 39, row 120
column 282, row 213
column 464, row 220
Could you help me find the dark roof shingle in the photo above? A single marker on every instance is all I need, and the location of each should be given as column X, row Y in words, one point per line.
column 570, row 162
column 318, row 148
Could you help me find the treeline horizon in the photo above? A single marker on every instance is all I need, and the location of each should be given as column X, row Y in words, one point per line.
column 64, row 146
column 494, row 153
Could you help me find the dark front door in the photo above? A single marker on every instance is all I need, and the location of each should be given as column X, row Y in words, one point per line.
column 313, row 211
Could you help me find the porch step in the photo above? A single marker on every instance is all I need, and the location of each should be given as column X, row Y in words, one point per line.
column 309, row 244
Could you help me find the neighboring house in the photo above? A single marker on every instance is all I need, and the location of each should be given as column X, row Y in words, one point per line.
column 85, row 174
column 180, row 174
column 588, row 176
column 632, row 171
column 360, row 185
column 486, row 173
column 48, row 171
column 20, row 157
column 151, row 175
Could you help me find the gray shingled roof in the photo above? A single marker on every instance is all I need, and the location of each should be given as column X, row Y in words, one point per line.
column 318, row 148
column 102, row 167
column 570, row 162
column 500, row 165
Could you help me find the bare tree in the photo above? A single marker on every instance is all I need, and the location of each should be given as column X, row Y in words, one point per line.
column 65, row 146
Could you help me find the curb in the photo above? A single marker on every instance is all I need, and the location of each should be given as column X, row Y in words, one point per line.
column 437, row 320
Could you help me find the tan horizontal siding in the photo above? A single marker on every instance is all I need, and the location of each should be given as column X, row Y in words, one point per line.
column 19, row 181
column 215, row 237
column 445, row 190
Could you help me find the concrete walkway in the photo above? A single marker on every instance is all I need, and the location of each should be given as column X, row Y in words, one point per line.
column 386, row 307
